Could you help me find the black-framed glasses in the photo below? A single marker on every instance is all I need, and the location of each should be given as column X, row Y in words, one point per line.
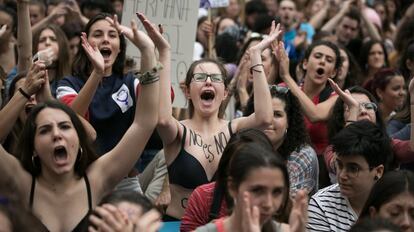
column 279, row 89
column 202, row 77
column 352, row 170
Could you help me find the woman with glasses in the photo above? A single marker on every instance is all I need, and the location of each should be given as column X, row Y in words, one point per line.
column 194, row 147
column 358, row 104
column 392, row 198
column 290, row 139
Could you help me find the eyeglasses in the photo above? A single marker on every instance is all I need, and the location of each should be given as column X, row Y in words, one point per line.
column 371, row 106
column 352, row 170
column 202, row 77
column 278, row 89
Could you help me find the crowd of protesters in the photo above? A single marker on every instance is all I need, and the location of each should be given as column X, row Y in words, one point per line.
column 298, row 118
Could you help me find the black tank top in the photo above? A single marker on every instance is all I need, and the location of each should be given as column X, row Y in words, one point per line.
column 83, row 224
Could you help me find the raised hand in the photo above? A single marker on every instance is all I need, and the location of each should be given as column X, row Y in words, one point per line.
column 346, row 96
column 93, row 54
column 44, row 93
column 35, row 78
column 270, row 39
column 250, row 215
column 59, row 10
column 109, row 218
column 138, row 38
column 282, row 57
column 299, row 214
column 154, row 33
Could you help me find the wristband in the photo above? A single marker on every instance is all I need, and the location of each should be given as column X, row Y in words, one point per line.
column 150, row 76
column 27, row 96
column 350, row 121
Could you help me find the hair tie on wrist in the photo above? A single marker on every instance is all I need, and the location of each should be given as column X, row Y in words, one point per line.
column 24, row 93
column 254, row 66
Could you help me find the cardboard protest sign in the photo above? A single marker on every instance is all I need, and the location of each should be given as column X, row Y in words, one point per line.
column 179, row 21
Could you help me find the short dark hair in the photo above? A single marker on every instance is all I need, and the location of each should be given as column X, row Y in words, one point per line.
column 329, row 44
column 353, row 14
column 26, row 142
column 389, row 186
column 82, row 67
column 189, row 77
column 364, row 138
column 117, row 197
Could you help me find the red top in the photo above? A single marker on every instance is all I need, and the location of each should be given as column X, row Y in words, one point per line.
column 199, row 204
column 318, row 131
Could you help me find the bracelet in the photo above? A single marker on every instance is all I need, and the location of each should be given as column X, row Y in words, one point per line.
column 254, row 66
column 150, row 76
column 27, row 96
column 350, row 121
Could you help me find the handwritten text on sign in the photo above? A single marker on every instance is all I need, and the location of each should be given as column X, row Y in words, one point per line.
column 179, row 21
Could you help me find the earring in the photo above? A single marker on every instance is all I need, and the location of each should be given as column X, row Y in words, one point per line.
column 33, row 161
column 376, row 178
column 79, row 154
column 285, row 132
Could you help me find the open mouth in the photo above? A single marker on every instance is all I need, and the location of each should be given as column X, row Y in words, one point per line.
column 106, row 52
column 207, row 95
column 60, row 153
column 320, row 71
column 28, row 108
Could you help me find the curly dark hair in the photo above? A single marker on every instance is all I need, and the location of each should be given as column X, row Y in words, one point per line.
column 297, row 135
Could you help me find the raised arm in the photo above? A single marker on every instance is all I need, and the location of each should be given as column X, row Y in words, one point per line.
column 9, row 114
column 371, row 29
column 334, row 21
column 317, row 19
column 13, row 175
column 315, row 113
column 59, row 10
column 167, row 125
column 263, row 115
column 108, row 170
column 24, row 36
column 82, row 101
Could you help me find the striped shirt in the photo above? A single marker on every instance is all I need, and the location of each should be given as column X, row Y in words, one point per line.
column 330, row 211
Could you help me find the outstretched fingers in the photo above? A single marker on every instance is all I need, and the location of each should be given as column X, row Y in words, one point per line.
column 153, row 32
